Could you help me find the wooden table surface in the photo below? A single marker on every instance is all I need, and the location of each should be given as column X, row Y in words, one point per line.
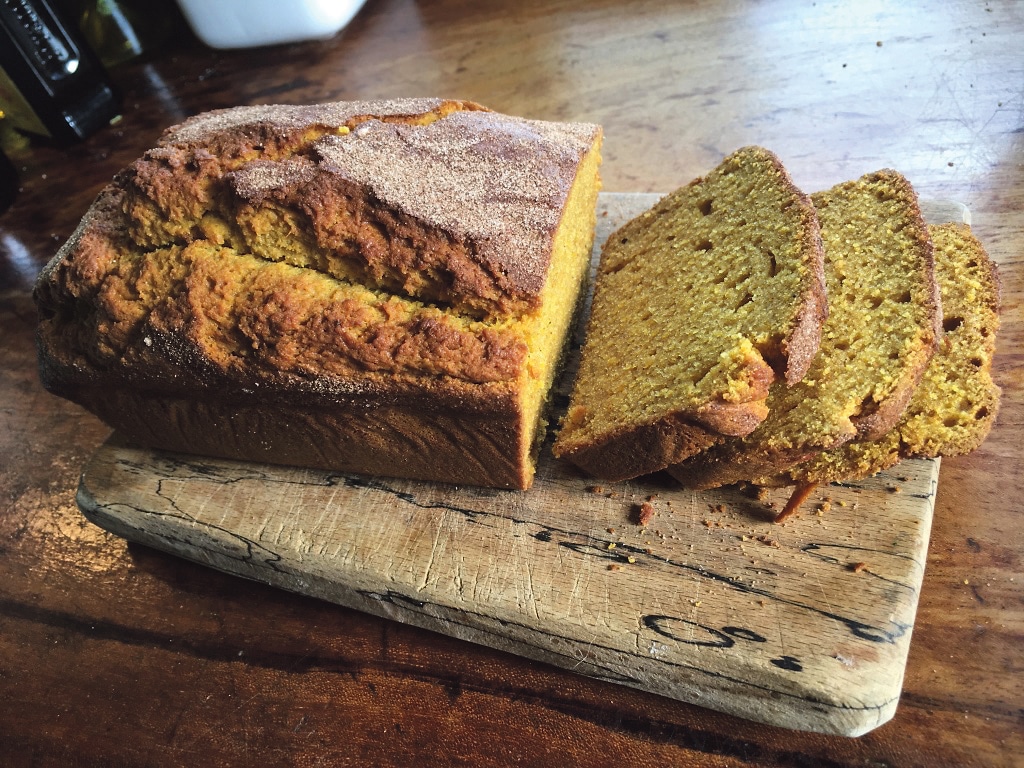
column 113, row 654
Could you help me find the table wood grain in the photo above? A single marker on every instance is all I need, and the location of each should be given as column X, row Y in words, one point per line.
column 115, row 654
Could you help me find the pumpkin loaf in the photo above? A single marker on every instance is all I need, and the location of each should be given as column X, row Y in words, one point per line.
column 373, row 287
column 882, row 330
column 954, row 407
column 700, row 304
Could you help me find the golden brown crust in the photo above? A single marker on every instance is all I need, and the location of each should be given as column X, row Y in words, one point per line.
column 413, row 439
column 359, row 261
column 643, row 449
column 478, row 211
column 799, row 342
column 255, row 320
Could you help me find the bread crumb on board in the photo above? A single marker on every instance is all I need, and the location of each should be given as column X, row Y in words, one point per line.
column 643, row 513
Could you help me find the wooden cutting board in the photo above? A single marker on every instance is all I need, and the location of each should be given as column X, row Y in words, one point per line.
column 805, row 625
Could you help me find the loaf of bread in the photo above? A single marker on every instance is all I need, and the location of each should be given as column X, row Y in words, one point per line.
column 955, row 405
column 370, row 287
column 700, row 304
column 882, row 330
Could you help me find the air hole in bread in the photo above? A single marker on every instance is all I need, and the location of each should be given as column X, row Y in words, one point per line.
column 772, row 353
column 867, row 406
column 977, row 362
column 905, row 298
column 981, row 413
column 745, row 300
column 705, row 246
column 705, row 208
column 950, row 324
column 950, row 421
column 773, row 264
column 875, row 302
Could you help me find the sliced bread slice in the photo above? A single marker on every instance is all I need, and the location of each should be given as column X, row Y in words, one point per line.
column 882, row 330
column 700, row 304
column 956, row 403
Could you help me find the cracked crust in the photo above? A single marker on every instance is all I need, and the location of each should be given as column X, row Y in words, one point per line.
column 361, row 258
column 469, row 209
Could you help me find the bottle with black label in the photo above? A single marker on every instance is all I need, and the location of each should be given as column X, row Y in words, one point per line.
column 51, row 83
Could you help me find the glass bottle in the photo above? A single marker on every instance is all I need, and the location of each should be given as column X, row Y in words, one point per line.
column 119, row 31
column 51, row 83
